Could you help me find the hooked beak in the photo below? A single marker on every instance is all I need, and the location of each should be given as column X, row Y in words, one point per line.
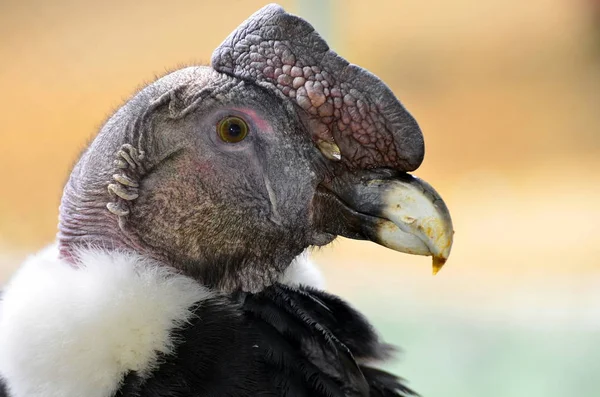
column 396, row 210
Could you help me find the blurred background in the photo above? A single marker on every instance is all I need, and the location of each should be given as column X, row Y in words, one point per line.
column 507, row 93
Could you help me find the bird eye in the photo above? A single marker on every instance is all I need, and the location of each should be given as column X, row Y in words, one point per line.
column 232, row 129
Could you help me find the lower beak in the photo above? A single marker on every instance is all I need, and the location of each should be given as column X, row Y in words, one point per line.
column 396, row 210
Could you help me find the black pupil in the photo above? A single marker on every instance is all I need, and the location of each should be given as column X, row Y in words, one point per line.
column 234, row 129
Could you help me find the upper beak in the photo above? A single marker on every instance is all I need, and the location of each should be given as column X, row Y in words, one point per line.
column 396, row 210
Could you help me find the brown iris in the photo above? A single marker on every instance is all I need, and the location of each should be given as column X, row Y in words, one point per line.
column 232, row 129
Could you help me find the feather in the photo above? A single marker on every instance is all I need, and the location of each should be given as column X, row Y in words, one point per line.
column 269, row 344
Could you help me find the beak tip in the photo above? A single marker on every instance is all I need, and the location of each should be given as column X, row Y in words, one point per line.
column 438, row 263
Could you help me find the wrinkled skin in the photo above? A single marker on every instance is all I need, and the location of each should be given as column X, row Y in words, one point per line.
column 157, row 179
column 203, row 201
column 346, row 103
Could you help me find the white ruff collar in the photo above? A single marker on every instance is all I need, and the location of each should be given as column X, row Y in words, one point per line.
column 73, row 332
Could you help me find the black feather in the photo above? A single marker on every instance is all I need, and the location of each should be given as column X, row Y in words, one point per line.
column 384, row 384
column 283, row 341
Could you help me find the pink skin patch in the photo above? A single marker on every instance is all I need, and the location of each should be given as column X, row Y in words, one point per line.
column 257, row 120
column 203, row 167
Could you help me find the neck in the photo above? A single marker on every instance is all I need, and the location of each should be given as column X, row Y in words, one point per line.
column 84, row 222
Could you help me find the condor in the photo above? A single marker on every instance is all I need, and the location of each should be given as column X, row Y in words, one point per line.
column 179, row 266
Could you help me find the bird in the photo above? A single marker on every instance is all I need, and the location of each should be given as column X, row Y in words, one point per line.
column 180, row 266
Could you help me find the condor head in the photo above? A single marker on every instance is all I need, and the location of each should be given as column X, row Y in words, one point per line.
column 228, row 172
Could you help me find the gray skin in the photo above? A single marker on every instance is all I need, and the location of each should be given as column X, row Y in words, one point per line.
column 244, row 207
column 158, row 179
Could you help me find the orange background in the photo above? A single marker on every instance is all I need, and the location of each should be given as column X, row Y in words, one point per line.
column 507, row 93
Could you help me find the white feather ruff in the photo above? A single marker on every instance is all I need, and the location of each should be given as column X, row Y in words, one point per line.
column 74, row 332
column 70, row 331
column 302, row 271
